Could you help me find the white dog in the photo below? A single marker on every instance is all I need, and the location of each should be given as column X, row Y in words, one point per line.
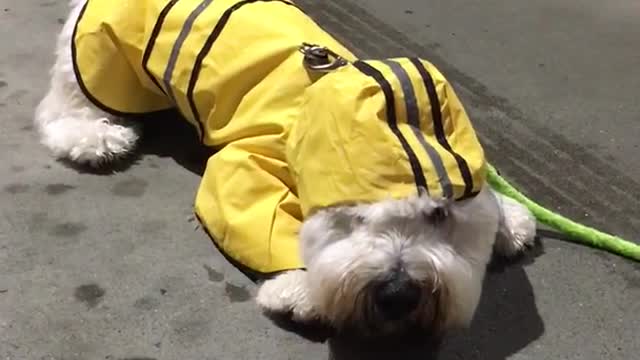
column 380, row 266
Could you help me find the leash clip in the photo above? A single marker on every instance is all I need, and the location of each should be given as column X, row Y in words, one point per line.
column 321, row 59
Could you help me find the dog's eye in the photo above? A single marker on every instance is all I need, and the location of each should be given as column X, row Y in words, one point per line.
column 358, row 220
column 436, row 216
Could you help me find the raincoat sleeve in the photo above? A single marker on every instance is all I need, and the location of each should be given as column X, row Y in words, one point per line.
column 246, row 203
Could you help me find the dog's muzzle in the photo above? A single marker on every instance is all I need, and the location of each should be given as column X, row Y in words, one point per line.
column 397, row 296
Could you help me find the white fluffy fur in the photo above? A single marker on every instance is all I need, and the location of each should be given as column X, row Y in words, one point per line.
column 344, row 248
column 288, row 295
column 517, row 226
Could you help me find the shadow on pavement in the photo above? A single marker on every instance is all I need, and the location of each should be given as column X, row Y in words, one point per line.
column 507, row 319
column 164, row 134
column 168, row 135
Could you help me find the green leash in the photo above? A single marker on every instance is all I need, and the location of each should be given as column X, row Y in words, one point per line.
column 575, row 232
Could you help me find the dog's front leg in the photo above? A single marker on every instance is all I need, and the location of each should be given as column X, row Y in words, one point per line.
column 516, row 229
column 70, row 125
column 287, row 295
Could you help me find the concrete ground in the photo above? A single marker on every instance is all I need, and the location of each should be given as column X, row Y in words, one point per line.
column 113, row 266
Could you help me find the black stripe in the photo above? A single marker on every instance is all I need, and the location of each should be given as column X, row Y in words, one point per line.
column 439, row 128
column 81, row 83
column 413, row 118
column 152, row 42
column 369, row 70
column 213, row 36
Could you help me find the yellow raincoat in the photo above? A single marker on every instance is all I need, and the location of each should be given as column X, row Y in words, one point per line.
column 291, row 141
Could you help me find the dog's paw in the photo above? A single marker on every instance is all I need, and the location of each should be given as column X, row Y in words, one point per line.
column 110, row 142
column 517, row 228
column 90, row 142
column 286, row 295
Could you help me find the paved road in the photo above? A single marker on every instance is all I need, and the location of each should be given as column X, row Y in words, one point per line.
column 112, row 266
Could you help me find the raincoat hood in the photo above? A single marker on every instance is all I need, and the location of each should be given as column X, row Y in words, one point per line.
column 374, row 130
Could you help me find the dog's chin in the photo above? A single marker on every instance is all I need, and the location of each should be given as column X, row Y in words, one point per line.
column 426, row 321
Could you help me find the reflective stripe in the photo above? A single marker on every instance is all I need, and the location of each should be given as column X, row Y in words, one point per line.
column 392, row 121
column 175, row 50
column 413, row 118
column 438, row 127
column 213, row 36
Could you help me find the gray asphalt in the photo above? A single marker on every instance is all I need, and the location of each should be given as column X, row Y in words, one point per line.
column 113, row 266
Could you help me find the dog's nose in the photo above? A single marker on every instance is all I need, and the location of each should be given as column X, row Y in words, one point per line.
column 397, row 296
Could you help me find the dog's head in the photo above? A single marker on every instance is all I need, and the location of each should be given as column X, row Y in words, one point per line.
column 399, row 265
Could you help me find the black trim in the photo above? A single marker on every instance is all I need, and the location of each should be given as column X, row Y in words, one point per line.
column 81, row 84
column 253, row 275
column 436, row 115
column 468, row 196
column 152, row 42
column 369, row 70
column 213, row 36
